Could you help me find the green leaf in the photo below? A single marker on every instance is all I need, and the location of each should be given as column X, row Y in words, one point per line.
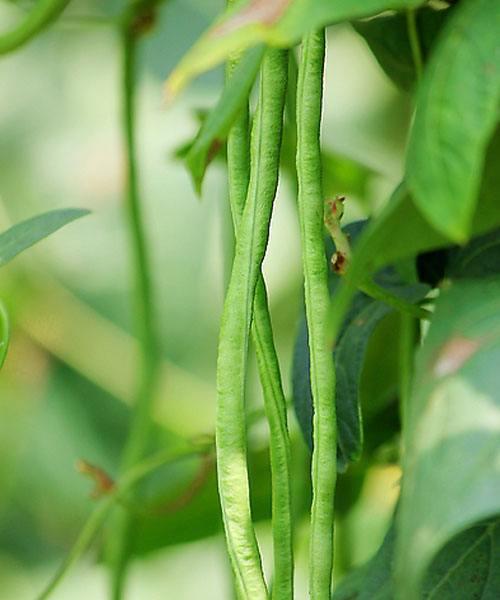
column 400, row 231
column 451, row 479
column 387, row 38
column 467, row 567
column 373, row 580
column 464, row 568
column 344, row 174
column 274, row 22
column 29, row 232
column 4, row 333
column 456, row 115
column 480, row 258
column 218, row 122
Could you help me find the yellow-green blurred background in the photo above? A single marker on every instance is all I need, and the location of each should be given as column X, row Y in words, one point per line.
column 69, row 378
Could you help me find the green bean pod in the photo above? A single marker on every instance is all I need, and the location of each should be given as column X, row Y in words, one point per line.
column 310, row 202
column 238, row 163
column 252, row 237
column 39, row 17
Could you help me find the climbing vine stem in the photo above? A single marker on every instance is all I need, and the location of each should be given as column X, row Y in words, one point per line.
column 311, row 202
column 43, row 13
column 133, row 26
column 119, row 489
column 413, row 37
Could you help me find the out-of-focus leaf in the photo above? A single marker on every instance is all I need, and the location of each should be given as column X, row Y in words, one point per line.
column 373, row 580
column 464, row 568
column 4, row 333
column 467, row 567
column 479, row 258
column 219, row 120
column 344, row 176
column 451, row 477
column 65, row 418
column 456, row 115
column 29, row 232
column 349, row 354
column 276, row 22
column 387, row 37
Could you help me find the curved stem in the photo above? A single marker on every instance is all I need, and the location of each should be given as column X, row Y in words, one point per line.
column 406, row 356
column 310, row 201
column 141, row 420
column 4, row 333
column 413, row 37
column 370, row 288
column 40, row 16
column 251, row 243
column 100, row 512
column 238, row 163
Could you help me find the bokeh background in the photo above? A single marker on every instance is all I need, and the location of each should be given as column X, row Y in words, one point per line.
column 67, row 385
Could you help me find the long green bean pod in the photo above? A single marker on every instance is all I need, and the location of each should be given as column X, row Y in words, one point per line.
column 252, row 237
column 40, row 16
column 238, row 164
column 310, row 201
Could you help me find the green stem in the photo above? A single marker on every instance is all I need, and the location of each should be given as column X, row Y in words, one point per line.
column 252, row 237
column 377, row 292
column 413, row 37
column 4, row 333
column 311, row 203
column 100, row 512
column 269, row 370
column 406, row 357
column 141, row 421
column 40, row 16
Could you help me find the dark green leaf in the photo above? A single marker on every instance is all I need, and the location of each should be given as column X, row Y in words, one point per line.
column 4, row 333
column 456, row 115
column 387, row 37
column 453, row 428
column 465, row 568
column 218, row 122
column 479, row 258
column 29, row 232
column 275, row 22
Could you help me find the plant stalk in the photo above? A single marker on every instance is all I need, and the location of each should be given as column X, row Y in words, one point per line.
column 38, row 18
column 143, row 309
column 413, row 37
column 100, row 512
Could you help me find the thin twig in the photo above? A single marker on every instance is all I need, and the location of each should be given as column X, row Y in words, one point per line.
column 414, row 39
